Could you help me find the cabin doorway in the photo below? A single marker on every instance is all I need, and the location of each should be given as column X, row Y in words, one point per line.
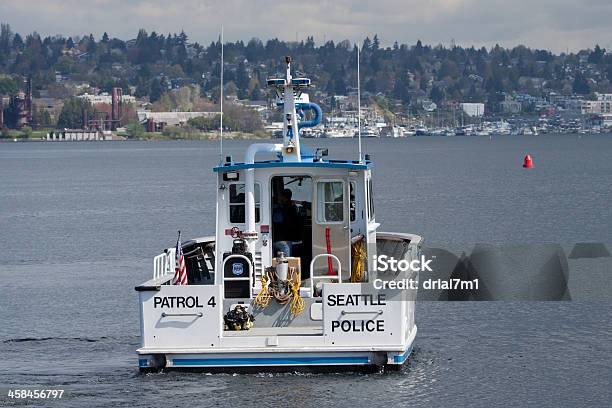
column 331, row 229
column 292, row 218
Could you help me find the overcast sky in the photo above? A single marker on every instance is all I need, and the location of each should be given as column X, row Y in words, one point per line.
column 553, row 24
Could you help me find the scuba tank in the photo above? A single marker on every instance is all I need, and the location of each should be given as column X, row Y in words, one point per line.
column 282, row 267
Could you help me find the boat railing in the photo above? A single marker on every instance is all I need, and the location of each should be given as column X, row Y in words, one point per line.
column 337, row 276
column 163, row 264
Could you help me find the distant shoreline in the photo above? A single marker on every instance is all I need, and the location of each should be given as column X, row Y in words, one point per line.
column 158, row 136
column 210, row 136
column 205, row 136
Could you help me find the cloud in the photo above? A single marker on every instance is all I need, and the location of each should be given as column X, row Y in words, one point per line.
column 554, row 24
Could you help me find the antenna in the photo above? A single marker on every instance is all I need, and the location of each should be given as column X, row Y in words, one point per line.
column 221, row 105
column 359, row 104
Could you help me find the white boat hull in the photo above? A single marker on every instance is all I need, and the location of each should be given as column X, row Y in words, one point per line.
column 292, row 359
column 182, row 326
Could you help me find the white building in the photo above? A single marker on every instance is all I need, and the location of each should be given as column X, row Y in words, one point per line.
column 173, row 118
column 106, row 98
column 604, row 120
column 473, row 109
column 603, row 105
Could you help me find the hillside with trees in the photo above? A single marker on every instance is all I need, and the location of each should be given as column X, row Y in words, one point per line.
column 153, row 65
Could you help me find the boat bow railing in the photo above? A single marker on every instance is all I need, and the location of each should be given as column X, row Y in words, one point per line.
column 163, row 264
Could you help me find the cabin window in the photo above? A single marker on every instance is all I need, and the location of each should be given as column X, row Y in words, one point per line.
column 237, row 203
column 370, row 200
column 330, row 197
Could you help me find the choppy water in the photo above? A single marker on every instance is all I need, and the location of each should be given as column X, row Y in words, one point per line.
column 80, row 223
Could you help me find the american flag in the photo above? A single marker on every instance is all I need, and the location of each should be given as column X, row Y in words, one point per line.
column 180, row 270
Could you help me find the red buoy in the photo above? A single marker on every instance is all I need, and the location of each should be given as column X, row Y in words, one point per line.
column 528, row 162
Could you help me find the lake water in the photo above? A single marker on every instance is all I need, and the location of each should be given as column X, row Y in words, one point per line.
column 81, row 222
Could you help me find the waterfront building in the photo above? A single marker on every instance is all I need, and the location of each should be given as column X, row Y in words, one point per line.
column 473, row 109
column 162, row 119
column 602, row 105
column 105, row 98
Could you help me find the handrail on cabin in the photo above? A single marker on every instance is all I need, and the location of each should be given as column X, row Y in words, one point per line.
column 324, row 277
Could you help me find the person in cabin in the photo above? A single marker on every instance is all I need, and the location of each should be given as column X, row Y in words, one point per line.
column 285, row 223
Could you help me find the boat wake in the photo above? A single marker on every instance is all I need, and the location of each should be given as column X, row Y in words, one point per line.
column 40, row 339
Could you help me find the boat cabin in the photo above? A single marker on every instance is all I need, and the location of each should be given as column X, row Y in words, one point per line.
column 303, row 209
column 283, row 201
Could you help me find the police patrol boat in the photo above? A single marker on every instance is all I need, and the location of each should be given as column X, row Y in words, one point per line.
column 287, row 282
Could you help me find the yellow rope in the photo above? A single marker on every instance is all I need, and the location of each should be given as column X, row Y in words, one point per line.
column 269, row 289
column 359, row 257
column 297, row 303
column 263, row 297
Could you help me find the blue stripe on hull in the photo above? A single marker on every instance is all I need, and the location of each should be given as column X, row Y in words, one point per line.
column 247, row 361
column 400, row 359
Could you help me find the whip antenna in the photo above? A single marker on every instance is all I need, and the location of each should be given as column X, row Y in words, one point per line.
column 358, row 105
column 221, row 105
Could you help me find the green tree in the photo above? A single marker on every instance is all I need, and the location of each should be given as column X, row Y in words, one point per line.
column 400, row 91
column 448, row 69
column 205, row 123
column 156, row 90
column 597, row 55
column 375, row 43
column 6, row 35
column 8, row 86
column 26, row 132
column 336, row 84
column 92, row 46
column 437, row 95
column 17, row 41
column 134, row 129
column 256, row 94
column 242, row 77
column 41, row 117
column 241, row 119
column 581, row 84
column 73, row 112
